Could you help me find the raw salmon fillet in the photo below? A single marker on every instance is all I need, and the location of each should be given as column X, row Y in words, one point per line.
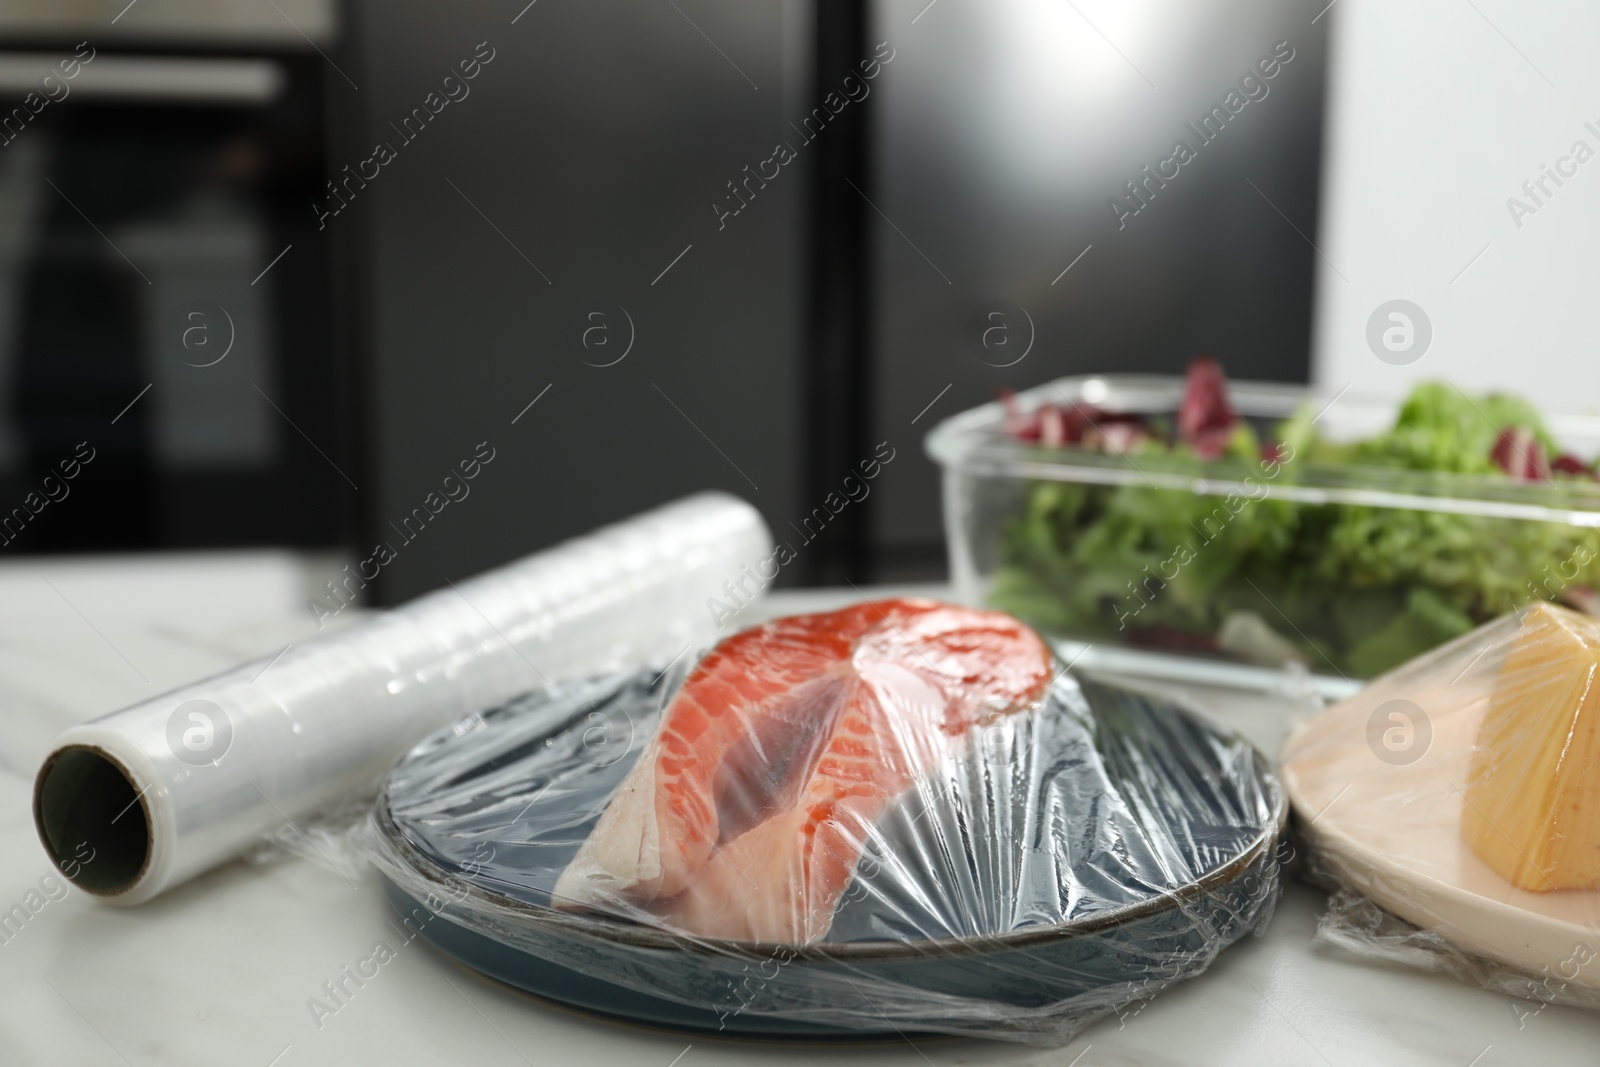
column 746, row 815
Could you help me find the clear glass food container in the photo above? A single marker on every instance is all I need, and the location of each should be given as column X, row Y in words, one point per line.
column 1346, row 569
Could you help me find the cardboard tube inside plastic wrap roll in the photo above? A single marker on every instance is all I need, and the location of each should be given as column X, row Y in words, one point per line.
column 149, row 796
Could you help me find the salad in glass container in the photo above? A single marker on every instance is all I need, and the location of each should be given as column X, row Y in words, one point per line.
column 1265, row 523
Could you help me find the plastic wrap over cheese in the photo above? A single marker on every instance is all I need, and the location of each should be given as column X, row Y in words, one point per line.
column 900, row 816
column 1454, row 806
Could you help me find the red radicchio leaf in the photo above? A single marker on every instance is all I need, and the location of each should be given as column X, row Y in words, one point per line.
column 1120, row 436
column 1017, row 423
column 1054, row 425
column 1086, row 419
column 1519, row 454
column 1205, row 417
column 1567, row 463
column 1209, row 444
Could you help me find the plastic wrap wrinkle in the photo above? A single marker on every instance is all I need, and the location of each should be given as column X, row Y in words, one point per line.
column 1054, row 867
column 296, row 734
column 1454, row 807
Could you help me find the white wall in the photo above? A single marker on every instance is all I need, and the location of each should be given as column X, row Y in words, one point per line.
column 1439, row 110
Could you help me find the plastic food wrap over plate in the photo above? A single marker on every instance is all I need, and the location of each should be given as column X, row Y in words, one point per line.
column 1454, row 806
column 1051, row 865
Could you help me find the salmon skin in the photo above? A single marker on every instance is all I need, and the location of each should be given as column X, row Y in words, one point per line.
column 747, row 813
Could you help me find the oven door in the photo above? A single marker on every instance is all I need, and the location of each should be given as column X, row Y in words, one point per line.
column 165, row 315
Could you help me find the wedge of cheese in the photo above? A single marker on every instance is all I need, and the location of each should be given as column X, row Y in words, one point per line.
column 1532, row 810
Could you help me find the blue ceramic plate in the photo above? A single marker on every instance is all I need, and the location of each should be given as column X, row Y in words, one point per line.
column 1143, row 841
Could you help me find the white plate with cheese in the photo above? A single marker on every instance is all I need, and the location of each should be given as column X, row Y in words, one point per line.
column 1389, row 785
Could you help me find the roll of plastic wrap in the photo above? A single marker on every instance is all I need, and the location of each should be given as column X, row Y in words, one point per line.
column 163, row 790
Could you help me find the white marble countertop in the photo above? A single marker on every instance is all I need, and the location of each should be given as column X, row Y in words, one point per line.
column 219, row 971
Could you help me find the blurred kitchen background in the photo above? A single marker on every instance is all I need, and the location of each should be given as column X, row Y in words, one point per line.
column 284, row 264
